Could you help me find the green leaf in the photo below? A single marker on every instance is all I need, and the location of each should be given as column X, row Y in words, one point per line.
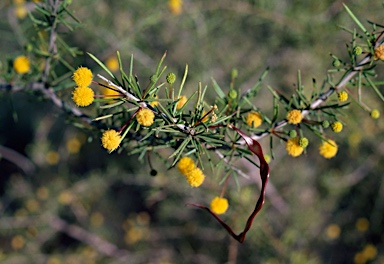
column 355, row 19
column 218, row 90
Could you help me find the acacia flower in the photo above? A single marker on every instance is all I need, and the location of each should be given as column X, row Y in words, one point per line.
column 145, row 117
column 254, row 119
column 375, row 114
column 112, row 63
column 293, row 147
column 379, row 53
column 195, row 177
column 337, row 126
column 175, row 6
column 294, row 116
column 328, row 149
column 155, row 103
column 171, row 78
column 182, row 100
column 185, row 165
column 21, row 64
column 219, row 205
column 83, row 96
column 342, row 96
column 82, row 77
column 110, row 140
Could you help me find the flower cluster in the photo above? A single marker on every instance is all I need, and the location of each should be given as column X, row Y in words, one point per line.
column 83, row 95
column 195, row 177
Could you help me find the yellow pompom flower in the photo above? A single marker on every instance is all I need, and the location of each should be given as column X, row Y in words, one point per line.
column 21, row 64
column 219, row 205
column 375, row 114
column 328, row 149
column 337, row 126
column 110, row 140
column 182, row 100
column 82, row 77
column 254, row 119
column 379, row 53
column 294, row 116
column 83, row 96
column 112, row 63
column 195, row 177
column 342, row 96
column 145, row 117
column 175, row 6
column 293, row 147
column 185, row 165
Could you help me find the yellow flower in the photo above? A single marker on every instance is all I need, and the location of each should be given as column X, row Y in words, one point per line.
column 21, row 64
column 337, row 127
column 206, row 117
column 109, row 92
column 369, row 252
column 362, row 224
column 328, row 149
column 195, row 177
column 83, row 96
column 155, row 103
column 333, row 231
column 254, row 119
column 294, row 116
column 82, row 77
column 379, row 53
column 182, row 100
column 52, row 157
column 66, row 197
column 21, row 11
column 219, row 205
column 73, row 145
column 112, row 63
column 110, row 140
column 185, row 165
column 145, row 117
column 175, row 6
column 293, row 147
column 17, row 242
column 375, row 114
column 342, row 96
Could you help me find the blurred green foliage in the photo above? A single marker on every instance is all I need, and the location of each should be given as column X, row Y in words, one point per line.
column 66, row 200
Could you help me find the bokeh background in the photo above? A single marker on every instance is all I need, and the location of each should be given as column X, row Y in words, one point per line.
column 64, row 199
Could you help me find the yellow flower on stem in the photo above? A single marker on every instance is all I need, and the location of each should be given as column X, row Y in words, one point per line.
column 145, row 117
column 185, row 165
column 21, row 64
column 294, row 116
column 254, row 119
column 195, row 177
column 293, row 147
column 328, row 149
column 83, row 96
column 82, row 77
column 110, row 140
column 219, row 205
